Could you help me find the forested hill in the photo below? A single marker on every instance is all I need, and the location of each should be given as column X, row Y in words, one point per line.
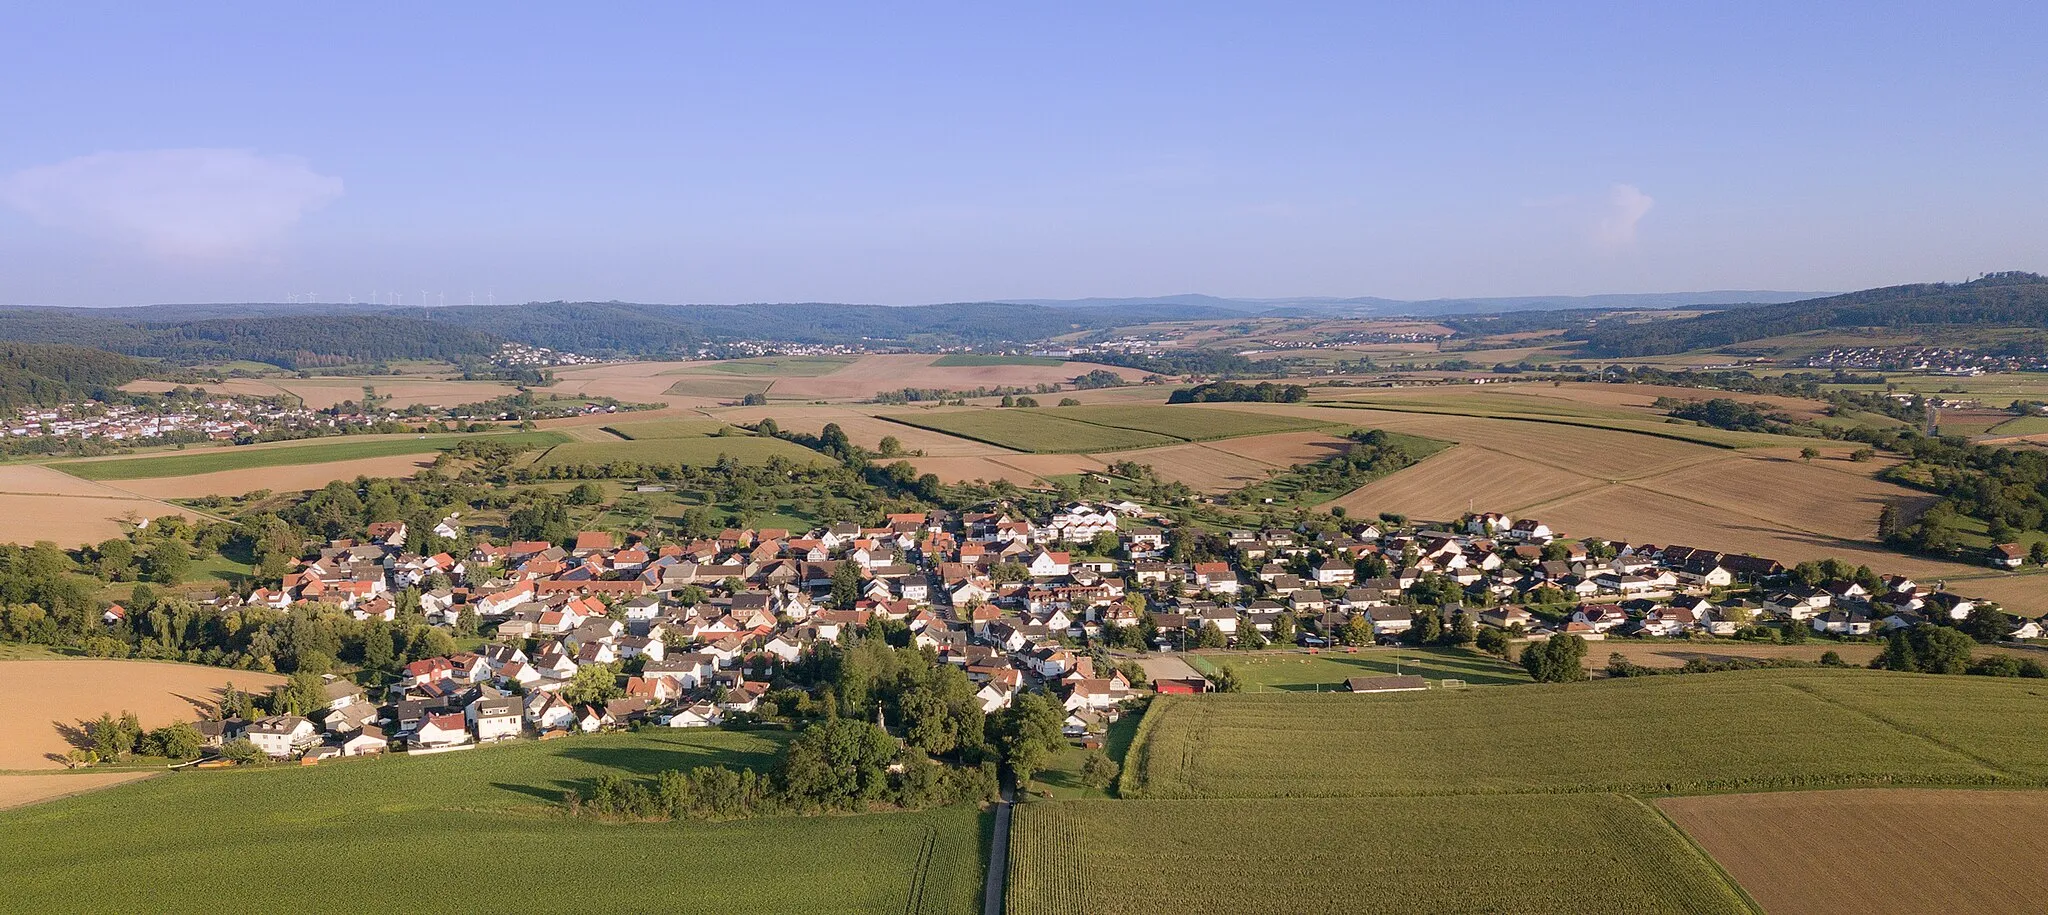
column 44, row 375
column 300, row 336
column 292, row 342
column 2001, row 299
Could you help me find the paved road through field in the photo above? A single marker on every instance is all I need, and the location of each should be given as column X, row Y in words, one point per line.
column 999, row 852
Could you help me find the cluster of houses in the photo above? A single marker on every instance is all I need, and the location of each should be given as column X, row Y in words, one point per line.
column 219, row 420
column 699, row 630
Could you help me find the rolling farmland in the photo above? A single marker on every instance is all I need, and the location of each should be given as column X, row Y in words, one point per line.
column 1032, row 430
column 273, row 830
column 666, row 428
column 1194, row 424
column 1798, row 729
column 40, row 698
column 697, row 450
column 304, row 451
column 1591, row 853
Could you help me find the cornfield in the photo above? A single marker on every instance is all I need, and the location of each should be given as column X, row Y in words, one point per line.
column 1589, row 854
column 1670, row 735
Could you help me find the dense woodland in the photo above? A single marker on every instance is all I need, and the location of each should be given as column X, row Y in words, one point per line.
column 46, row 375
column 2001, row 299
column 1231, row 391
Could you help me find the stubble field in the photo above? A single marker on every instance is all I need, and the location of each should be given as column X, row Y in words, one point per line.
column 43, row 703
column 1786, row 849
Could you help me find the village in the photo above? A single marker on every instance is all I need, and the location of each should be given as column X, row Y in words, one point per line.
column 696, row 634
column 222, row 419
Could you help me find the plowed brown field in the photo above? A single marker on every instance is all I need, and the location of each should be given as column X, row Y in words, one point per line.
column 1958, row 852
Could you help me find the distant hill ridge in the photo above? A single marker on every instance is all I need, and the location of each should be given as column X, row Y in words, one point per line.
column 2012, row 299
column 1373, row 306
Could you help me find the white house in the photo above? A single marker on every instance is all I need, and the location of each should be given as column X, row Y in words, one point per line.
column 496, row 718
column 437, row 731
column 281, row 736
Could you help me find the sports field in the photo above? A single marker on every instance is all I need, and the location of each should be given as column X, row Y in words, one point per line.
column 194, row 841
column 698, row 450
column 283, row 454
column 1590, row 853
column 1972, row 852
column 1749, row 730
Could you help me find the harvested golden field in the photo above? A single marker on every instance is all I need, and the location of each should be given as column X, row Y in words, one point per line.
column 1461, row 479
column 1955, row 852
column 1637, row 513
column 42, row 703
column 1835, row 497
column 1201, row 465
column 1640, row 396
column 72, row 521
column 23, row 790
column 634, row 382
column 968, row 469
column 39, row 479
column 287, row 478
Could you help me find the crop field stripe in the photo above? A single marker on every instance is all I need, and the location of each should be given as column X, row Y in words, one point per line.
column 324, row 450
column 1555, row 421
column 1660, row 735
column 1887, row 721
column 1706, row 860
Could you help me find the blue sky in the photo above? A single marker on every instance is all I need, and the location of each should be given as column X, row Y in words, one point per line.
column 905, row 153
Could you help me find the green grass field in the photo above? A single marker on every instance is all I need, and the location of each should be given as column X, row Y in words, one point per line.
column 1750, row 730
column 666, row 428
column 700, row 450
column 786, row 366
column 2022, row 425
column 1301, row 672
column 1586, row 854
column 210, row 841
column 1041, row 431
column 971, row 360
column 1195, row 424
column 307, row 451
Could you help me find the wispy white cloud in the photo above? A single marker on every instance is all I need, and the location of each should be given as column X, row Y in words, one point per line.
column 174, row 203
column 1624, row 209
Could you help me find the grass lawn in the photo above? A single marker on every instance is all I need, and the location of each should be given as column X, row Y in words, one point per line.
column 1062, row 779
column 2022, row 425
column 1188, row 423
column 1326, row 671
column 1591, row 854
column 1679, row 734
column 308, row 451
column 24, row 651
column 700, row 450
column 970, row 360
column 188, row 841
